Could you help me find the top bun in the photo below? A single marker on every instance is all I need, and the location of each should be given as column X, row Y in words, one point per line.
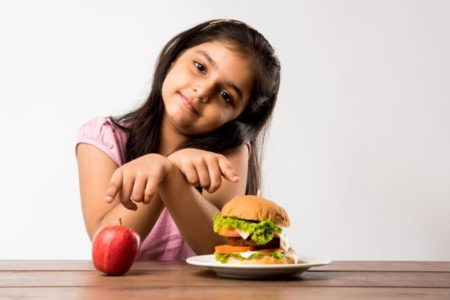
column 255, row 208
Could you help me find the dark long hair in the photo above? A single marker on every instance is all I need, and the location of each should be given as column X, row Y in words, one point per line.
column 143, row 124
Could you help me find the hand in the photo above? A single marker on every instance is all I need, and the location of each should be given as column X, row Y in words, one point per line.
column 137, row 180
column 203, row 168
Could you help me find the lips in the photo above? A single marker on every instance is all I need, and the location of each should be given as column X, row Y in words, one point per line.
column 189, row 104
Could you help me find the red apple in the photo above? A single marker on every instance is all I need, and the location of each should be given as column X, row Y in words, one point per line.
column 114, row 249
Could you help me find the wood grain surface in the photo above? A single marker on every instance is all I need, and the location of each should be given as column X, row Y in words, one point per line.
column 70, row 279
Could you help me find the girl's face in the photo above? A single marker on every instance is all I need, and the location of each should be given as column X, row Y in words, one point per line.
column 207, row 86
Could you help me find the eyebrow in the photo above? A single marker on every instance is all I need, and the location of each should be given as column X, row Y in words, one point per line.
column 214, row 64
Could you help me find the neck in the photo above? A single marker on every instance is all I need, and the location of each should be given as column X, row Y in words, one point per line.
column 170, row 137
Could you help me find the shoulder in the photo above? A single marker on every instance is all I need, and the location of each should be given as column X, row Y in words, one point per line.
column 103, row 134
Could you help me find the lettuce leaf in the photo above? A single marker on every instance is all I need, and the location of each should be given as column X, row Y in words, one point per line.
column 261, row 232
column 223, row 257
column 264, row 232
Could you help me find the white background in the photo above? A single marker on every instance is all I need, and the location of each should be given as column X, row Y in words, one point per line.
column 359, row 148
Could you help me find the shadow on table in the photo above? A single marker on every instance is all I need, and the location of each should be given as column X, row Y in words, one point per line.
column 212, row 275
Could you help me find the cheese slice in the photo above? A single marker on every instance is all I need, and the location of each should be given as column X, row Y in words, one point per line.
column 284, row 243
column 247, row 254
column 291, row 253
column 243, row 234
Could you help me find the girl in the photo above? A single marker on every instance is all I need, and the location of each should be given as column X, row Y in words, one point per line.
column 161, row 167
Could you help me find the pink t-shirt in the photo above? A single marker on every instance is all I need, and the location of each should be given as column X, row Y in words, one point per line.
column 164, row 241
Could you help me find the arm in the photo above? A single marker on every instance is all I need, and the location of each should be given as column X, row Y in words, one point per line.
column 95, row 172
column 193, row 211
column 152, row 176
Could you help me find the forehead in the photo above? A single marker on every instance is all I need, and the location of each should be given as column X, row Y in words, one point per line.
column 222, row 51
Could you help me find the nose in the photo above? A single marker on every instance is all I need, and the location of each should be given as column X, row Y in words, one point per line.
column 200, row 97
column 203, row 91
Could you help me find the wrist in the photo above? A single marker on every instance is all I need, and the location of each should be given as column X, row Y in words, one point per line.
column 172, row 157
column 166, row 164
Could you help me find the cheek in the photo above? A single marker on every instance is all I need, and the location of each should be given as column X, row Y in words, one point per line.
column 174, row 78
column 164, row 89
column 168, row 82
column 216, row 117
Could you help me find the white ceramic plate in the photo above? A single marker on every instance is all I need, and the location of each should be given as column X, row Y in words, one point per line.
column 256, row 271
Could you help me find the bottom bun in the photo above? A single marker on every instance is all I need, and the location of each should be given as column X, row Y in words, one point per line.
column 265, row 260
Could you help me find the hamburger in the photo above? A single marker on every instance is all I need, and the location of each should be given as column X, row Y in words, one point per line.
column 253, row 227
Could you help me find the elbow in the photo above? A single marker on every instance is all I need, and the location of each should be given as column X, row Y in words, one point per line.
column 92, row 228
column 91, row 233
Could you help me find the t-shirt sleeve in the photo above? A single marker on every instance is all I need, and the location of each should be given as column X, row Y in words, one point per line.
column 104, row 135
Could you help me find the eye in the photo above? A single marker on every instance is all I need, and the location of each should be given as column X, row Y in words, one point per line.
column 199, row 66
column 226, row 97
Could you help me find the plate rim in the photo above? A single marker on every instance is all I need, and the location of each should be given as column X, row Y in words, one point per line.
column 309, row 261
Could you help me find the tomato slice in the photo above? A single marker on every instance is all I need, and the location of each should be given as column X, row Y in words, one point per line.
column 229, row 232
column 232, row 249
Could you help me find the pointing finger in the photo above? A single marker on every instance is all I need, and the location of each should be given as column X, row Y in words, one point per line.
column 227, row 170
column 114, row 186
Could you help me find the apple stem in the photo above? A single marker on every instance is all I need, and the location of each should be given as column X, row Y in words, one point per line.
column 120, row 221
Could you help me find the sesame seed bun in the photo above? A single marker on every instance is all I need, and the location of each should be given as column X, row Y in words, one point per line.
column 255, row 208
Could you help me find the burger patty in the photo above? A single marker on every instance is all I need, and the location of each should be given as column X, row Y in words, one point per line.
column 237, row 241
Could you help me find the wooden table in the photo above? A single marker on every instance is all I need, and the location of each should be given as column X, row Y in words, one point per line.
column 65, row 279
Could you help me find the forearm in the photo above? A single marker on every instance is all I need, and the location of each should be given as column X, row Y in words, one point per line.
column 192, row 213
column 141, row 220
column 138, row 178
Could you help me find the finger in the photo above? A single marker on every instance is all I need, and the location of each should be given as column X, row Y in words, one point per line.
column 215, row 175
column 227, row 170
column 137, row 194
column 203, row 174
column 150, row 190
column 114, row 186
column 191, row 174
column 125, row 192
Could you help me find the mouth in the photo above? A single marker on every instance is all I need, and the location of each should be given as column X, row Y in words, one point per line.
column 189, row 104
